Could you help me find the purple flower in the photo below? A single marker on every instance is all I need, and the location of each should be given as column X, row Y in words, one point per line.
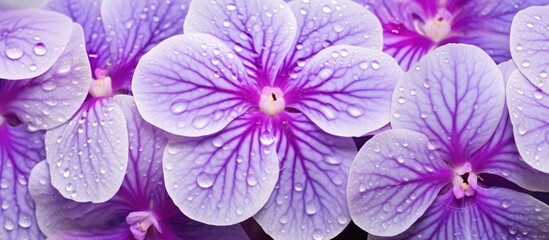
column 90, row 151
column 528, row 87
column 413, row 28
column 424, row 178
column 141, row 209
column 43, row 68
column 267, row 108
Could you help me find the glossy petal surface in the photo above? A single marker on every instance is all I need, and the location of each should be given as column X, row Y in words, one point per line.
column 191, row 85
column 394, row 179
column 455, row 96
column 32, row 41
column 88, row 155
column 530, row 44
column 323, row 23
column 346, row 90
column 500, row 155
column 491, row 212
column 19, row 152
column 260, row 31
column 309, row 198
column 528, row 107
column 134, row 27
column 50, row 99
column 223, row 178
column 87, row 14
column 59, row 215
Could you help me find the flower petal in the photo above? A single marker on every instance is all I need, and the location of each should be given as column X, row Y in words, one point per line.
column 260, row 31
column 500, row 155
column 88, row 155
column 528, row 107
column 134, row 27
column 455, row 96
column 323, row 23
column 491, row 212
column 19, row 152
column 192, row 85
column 309, row 198
column 529, row 37
column 50, row 99
column 92, row 234
column 32, row 41
column 349, row 94
column 58, row 216
column 87, row 14
column 224, row 178
column 393, row 180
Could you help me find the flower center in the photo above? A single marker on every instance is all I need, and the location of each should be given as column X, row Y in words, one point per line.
column 272, row 101
column 140, row 223
column 464, row 182
column 102, row 86
column 439, row 27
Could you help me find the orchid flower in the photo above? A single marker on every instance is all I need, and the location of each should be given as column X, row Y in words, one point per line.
column 267, row 106
column 413, row 28
column 89, row 152
column 43, row 68
column 141, row 209
column 528, row 88
column 423, row 179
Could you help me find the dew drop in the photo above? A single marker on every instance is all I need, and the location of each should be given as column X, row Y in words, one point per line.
column 33, row 68
column 311, row 207
column 525, row 63
column 201, row 121
column 252, row 180
column 318, row 234
column 375, row 64
column 326, row 9
column 332, row 160
column 543, row 74
column 519, row 47
column 239, row 210
column 48, row 86
column 24, row 220
column 14, row 52
column 69, row 187
column 426, row 83
column 179, row 106
column 400, row 158
column 530, row 25
column 521, row 130
column 66, row 172
column 538, row 94
column 205, row 180
column 505, row 204
column 325, row 73
column 9, row 225
column 401, row 100
column 298, row 187
column 355, row 110
column 284, row 219
column 39, row 49
column 231, row 7
column 266, row 138
column 363, row 65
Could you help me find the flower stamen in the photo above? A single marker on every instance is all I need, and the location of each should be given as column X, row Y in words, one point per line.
column 140, row 223
column 272, row 101
column 102, row 86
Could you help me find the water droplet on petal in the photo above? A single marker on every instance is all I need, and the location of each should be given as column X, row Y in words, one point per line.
column 519, row 47
column 325, row 73
column 205, row 180
column 179, row 106
column 530, row 25
column 266, row 137
column 9, row 225
column 252, row 180
column 48, row 86
column 326, row 9
column 538, row 94
column 375, row 64
column 525, row 63
column 311, row 207
column 505, row 204
column 318, row 234
column 201, row 121
column 39, row 49
column 14, row 52
column 231, row 7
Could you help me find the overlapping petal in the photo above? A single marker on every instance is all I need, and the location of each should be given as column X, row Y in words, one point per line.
column 455, row 96
column 500, row 155
column 346, row 90
column 261, row 32
column 528, row 107
column 88, row 155
column 87, row 14
column 49, row 100
column 20, row 151
column 134, row 27
column 192, row 85
column 529, row 44
column 223, row 178
column 324, row 23
column 491, row 212
column 394, row 179
column 309, row 199
column 32, row 41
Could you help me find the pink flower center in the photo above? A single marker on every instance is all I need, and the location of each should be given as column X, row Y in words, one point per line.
column 102, row 86
column 439, row 27
column 140, row 223
column 272, row 101
column 464, row 182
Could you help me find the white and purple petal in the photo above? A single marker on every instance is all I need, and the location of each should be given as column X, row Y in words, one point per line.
column 88, row 155
column 346, row 90
column 528, row 107
column 49, row 100
column 324, row 23
column 309, row 199
column 261, row 32
column 393, row 180
column 134, row 27
column 20, row 151
column 223, row 178
column 455, row 96
column 192, row 85
column 529, row 44
column 31, row 42
column 494, row 212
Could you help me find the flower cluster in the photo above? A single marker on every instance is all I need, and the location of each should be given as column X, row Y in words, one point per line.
column 181, row 119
